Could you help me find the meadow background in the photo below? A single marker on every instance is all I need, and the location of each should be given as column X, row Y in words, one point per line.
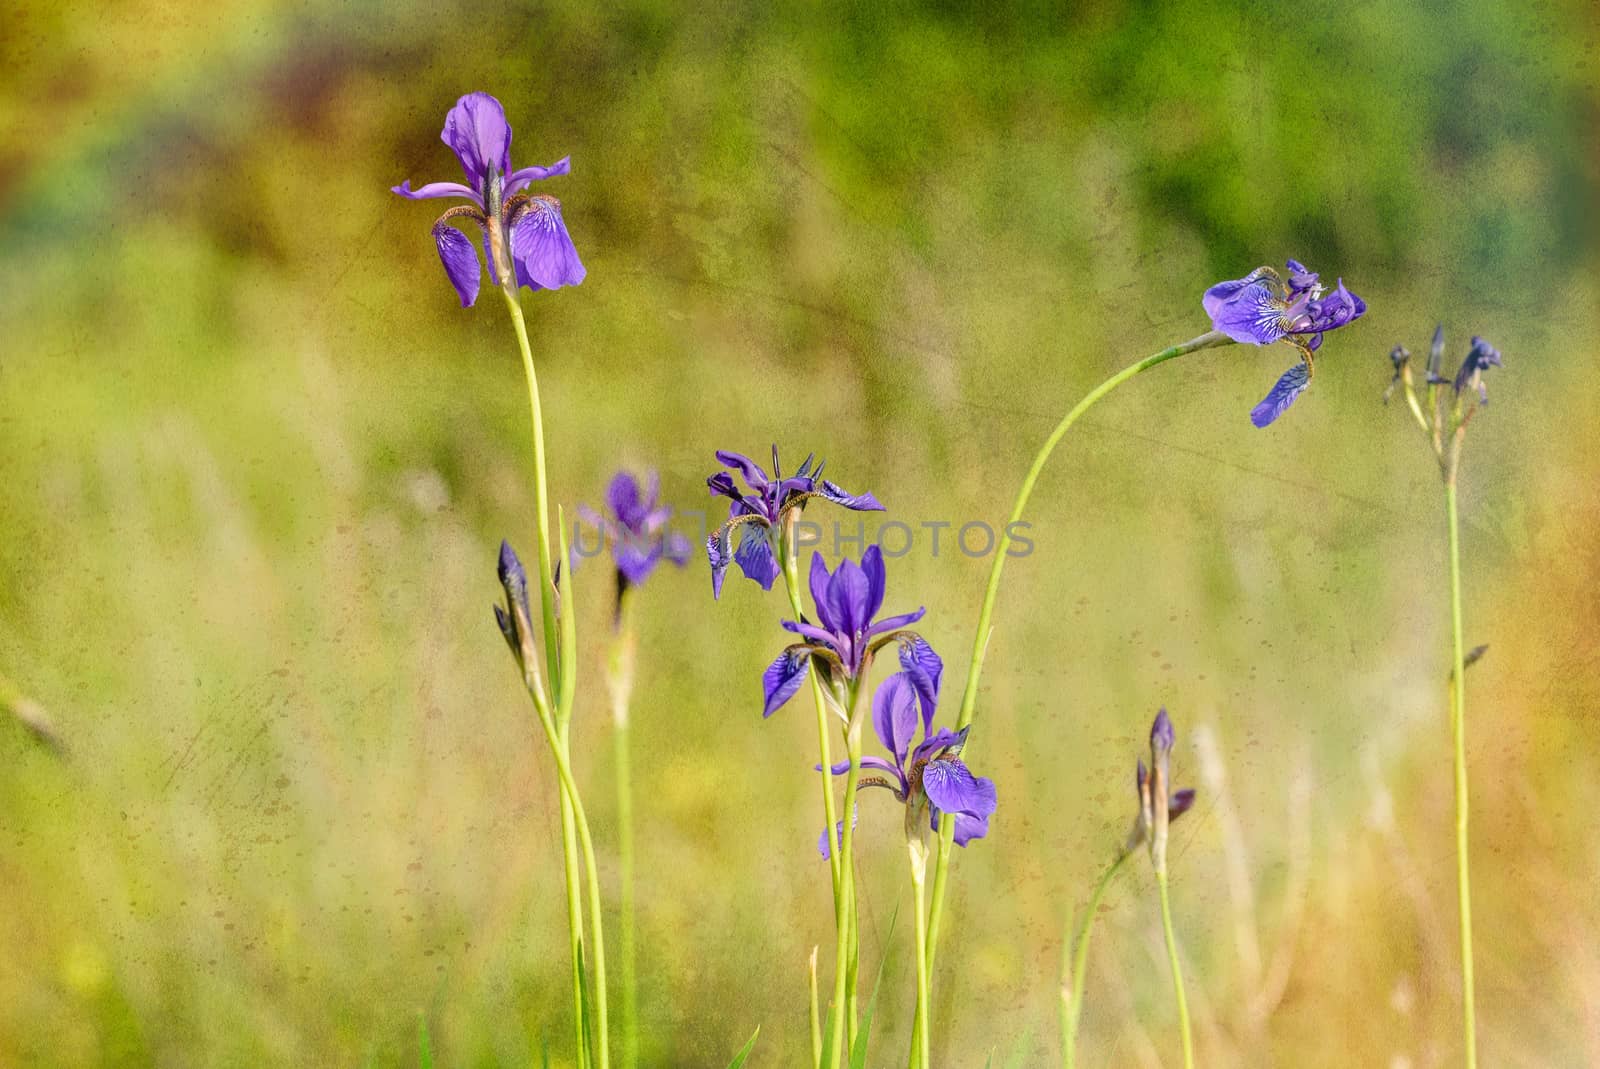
column 255, row 463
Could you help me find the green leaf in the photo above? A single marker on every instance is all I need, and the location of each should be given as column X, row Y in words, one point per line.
column 738, row 1059
column 858, row 1053
column 424, row 1048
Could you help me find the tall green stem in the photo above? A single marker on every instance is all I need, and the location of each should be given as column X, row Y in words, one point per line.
column 1458, row 729
column 559, row 671
column 1077, row 952
column 843, row 914
column 919, row 872
column 843, row 907
column 1177, row 970
column 619, row 679
column 980, row 642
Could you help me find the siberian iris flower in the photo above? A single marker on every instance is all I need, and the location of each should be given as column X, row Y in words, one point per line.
column 635, row 528
column 521, row 231
column 1264, row 307
column 929, row 778
column 758, row 514
column 847, row 632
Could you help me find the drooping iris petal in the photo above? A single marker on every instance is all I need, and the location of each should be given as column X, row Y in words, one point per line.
column 894, row 714
column 542, row 247
column 1180, row 803
column 524, row 177
column 477, row 132
column 436, row 189
column 755, row 555
column 720, row 556
column 822, row 840
column 969, row 826
column 783, row 678
column 839, row 496
column 820, row 635
column 1291, row 385
column 925, row 670
column 951, row 786
column 1245, row 309
column 749, row 470
column 460, row 259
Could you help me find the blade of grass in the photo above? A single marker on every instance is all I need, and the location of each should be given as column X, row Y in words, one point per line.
column 738, row 1059
column 424, row 1048
column 858, row 1052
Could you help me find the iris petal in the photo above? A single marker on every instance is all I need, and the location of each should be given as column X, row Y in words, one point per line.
column 460, row 259
column 1245, row 309
column 755, row 556
column 894, row 714
column 839, row 496
column 783, row 678
column 526, row 176
column 436, row 189
column 925, row 670
column 1291, row 385
column 542, row 247
column 477, row 132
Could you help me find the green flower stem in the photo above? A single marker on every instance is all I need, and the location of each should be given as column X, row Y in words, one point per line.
column 619, row 680
column 1458, row 729
column 1076, row 951
column 541, row 497
column 920, row 1030
column 844, row 914
column 816, row 1016
column 980, row 642
column 791, row 582
column 591, row 873
column 843, row 1009
column 560, row 662
column 1177, row 970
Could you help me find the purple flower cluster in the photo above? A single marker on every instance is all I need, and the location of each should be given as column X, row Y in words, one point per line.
column 634, row 527
column 523, row 232
column 1264, row 307
column 757, row 514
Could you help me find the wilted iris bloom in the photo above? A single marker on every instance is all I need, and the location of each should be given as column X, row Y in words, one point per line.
column 635, row 529
column 847, row 631
column 1481, row 358
column 516, row 618
column 1162, row 738
column 1264, row 307
column 519, row 230
column 930, row 778
column 757, row 514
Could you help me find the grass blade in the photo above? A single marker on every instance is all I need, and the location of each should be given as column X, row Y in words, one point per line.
column 424, row 1048
column 738, row 1059
column 858, row 1053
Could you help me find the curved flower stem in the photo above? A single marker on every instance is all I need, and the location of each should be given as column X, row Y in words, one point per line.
column 844, row 914
column 541, row 497
column 1177, row 970
column 619, row 680
column 843, row 909
column 920, row 1031
column 1458, row 729
column 574, row 826
column 980, row 641
column 1077, row 952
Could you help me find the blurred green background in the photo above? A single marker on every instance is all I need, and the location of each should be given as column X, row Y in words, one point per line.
column 255, row 462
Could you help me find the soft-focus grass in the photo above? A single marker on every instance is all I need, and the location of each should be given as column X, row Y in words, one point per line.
column 255, row 464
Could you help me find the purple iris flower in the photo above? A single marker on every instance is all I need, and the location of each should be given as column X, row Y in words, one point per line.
column 1481, row 358
column 1162, row 739
column 635, row 527
column 758, row 514
column 847, row 632
column 929, row 777
column 1264, row 307
column 520, row 231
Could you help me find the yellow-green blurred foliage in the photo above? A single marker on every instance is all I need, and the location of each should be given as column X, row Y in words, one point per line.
column 255, row 463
